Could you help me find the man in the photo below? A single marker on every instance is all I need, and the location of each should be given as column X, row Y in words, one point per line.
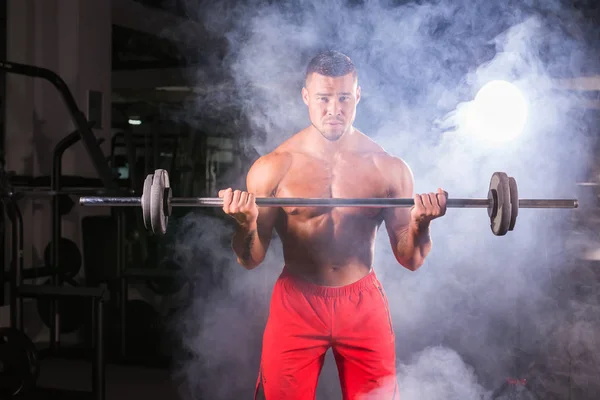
column 328, row 294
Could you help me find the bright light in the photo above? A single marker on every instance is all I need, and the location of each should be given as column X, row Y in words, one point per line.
column 498, row 112
column 134, row 121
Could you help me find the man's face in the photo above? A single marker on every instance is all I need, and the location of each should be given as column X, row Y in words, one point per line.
column 331, row 103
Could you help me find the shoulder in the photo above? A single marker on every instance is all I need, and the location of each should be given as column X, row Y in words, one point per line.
column 267, row 171
column 383, row 160
column 395, row 172
column 387, row 162
column 276, row 160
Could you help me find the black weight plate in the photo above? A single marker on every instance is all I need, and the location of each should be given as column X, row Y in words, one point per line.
column 514, row 202
column 72, row 312
column 500, row 192
column 69, row 257
column 146, row 201
column 158, row 215
column 19, row 366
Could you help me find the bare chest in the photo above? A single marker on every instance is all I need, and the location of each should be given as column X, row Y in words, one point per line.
column 352, row 177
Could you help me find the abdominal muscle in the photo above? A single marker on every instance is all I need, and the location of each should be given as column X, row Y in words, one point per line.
column 329, row 249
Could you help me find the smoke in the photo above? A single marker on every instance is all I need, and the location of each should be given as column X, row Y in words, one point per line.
column 438, row 373
column 220, row 327
column 483, row 310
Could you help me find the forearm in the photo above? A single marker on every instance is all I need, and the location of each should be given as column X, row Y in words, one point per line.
column 247, row 245
column 414, row 244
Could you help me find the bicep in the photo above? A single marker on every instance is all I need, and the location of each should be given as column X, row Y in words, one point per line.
column 261, row 182
column 401, row 185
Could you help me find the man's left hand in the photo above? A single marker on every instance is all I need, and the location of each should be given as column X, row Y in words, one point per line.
column 428, row 207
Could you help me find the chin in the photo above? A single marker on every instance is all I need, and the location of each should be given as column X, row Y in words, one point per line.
column 332, row 136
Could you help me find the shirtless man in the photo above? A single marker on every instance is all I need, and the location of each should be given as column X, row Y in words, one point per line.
column 328, row 294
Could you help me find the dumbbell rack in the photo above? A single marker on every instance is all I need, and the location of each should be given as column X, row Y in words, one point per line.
column 97, row 295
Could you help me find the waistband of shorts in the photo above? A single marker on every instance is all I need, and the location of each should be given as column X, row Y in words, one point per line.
column 369, row 281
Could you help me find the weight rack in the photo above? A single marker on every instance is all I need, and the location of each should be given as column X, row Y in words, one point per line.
column 98, row 295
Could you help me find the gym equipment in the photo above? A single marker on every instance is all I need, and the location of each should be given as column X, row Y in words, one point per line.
column 95, row 297
column 65, row 204
column 84, row 130
column 72, row 312
column 502, row 203
column 3, row 234
column 70, row 258
column 19, row 366
column 500, row 212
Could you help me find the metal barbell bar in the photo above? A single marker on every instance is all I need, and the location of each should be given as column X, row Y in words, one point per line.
column 156, row 201
column 384, row 202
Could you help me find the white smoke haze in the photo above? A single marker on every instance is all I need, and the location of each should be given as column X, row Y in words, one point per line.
column 438, row 373
column 482, row 309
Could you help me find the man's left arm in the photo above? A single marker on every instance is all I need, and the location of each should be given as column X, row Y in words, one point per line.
column 408, row 228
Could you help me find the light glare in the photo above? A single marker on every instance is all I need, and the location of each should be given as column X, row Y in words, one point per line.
column 498, row 113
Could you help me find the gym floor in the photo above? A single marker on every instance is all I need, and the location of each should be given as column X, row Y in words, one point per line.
column 67, row 379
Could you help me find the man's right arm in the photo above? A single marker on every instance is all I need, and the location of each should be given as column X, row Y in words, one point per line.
column 253, row 235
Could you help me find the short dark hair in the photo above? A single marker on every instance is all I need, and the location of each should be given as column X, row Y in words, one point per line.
column 331, row 63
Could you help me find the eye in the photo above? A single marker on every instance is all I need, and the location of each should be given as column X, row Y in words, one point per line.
column 323, row 99
column 344, row 98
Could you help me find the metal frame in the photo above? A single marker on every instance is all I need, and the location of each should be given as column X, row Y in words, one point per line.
column 97, row 295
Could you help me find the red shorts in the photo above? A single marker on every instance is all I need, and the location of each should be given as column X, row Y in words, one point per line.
column 306, row 319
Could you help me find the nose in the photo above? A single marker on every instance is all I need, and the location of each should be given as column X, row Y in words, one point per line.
column 334, row 107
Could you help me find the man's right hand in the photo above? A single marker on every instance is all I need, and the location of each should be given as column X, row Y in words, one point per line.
column 240, row 205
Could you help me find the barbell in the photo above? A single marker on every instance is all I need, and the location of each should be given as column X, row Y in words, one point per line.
column 502, row 202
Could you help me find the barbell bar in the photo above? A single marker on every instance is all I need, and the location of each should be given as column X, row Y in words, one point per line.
column 383, row 202
column 502, row 202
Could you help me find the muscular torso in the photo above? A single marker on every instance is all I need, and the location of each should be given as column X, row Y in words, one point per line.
column 330, row 246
